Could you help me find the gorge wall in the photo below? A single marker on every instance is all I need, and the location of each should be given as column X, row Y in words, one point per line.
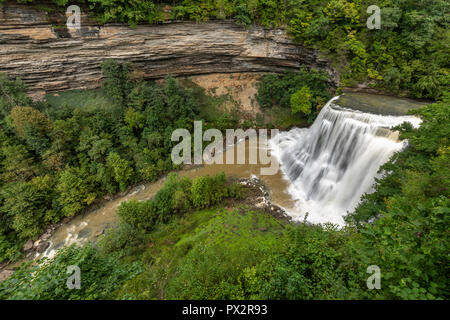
column 36, row 46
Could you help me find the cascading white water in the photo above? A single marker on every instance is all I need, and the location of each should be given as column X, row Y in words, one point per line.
column 334, row 162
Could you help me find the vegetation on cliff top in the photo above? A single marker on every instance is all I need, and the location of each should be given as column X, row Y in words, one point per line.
column 304, row 92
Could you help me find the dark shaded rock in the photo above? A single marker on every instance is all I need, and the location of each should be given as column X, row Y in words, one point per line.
column 42, row 246
column 84, row 233
column 99, row 233
column 46, row 235
column 28, row 245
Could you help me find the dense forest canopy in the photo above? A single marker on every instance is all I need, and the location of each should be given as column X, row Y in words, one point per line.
column 56, row 160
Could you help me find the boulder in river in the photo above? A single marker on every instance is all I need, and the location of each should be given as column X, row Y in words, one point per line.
column 42, row 246
column 28, row 245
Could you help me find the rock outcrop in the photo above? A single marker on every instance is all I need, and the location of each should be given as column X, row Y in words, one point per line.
column 36, row 46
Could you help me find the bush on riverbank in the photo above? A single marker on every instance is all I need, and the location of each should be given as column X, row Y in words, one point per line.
column 177, row 196
column 100, row 276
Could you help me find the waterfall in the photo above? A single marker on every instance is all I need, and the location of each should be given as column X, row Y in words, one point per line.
column 334, row 162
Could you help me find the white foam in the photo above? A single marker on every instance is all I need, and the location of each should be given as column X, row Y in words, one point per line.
column 334, row 162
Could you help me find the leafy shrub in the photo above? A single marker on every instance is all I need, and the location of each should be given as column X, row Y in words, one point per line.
column 301, row 101
column 141, row 215
column 100, row 276
column 207, row 191
column 122, row 171
column 296, row 90
column 125, row 238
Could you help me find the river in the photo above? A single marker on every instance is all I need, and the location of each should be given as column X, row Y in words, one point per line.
column 324, row 169
column 88, row 226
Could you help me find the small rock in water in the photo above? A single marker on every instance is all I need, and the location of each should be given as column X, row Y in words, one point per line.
column 28, row 245
column 46, row 236
column 42, row 246
column 83, row 233
column 99, row 233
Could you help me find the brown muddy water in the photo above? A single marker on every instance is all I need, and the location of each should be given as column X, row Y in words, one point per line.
column 89, row 226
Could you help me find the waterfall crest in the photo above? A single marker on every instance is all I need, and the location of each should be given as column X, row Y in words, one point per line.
column 334, row 162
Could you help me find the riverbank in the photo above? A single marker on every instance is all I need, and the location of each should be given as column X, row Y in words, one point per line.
column 257, row 197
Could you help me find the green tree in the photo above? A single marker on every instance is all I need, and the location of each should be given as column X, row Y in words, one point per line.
column 18, row 164
column 12, row 93
column 121, row 168
column 140, row 215
column 134, row 119
column 208, row 191
column 301, row 101
column 22, row 117
column 28, row 204
column 117, row 83
column 75, row 190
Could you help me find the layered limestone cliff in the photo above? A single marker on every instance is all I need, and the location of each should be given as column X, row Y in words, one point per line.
column 51, row 58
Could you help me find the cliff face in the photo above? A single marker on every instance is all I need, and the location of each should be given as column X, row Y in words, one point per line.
column 51, row 58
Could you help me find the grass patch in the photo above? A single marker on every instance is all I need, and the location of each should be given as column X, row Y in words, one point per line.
column 283, row 119
column 83, row 99
column 202, row 255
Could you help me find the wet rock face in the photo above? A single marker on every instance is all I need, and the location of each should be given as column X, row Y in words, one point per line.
column 51, row 58
column 261, row 199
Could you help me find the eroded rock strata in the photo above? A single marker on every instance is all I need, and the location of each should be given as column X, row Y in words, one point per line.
column 35, row 46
